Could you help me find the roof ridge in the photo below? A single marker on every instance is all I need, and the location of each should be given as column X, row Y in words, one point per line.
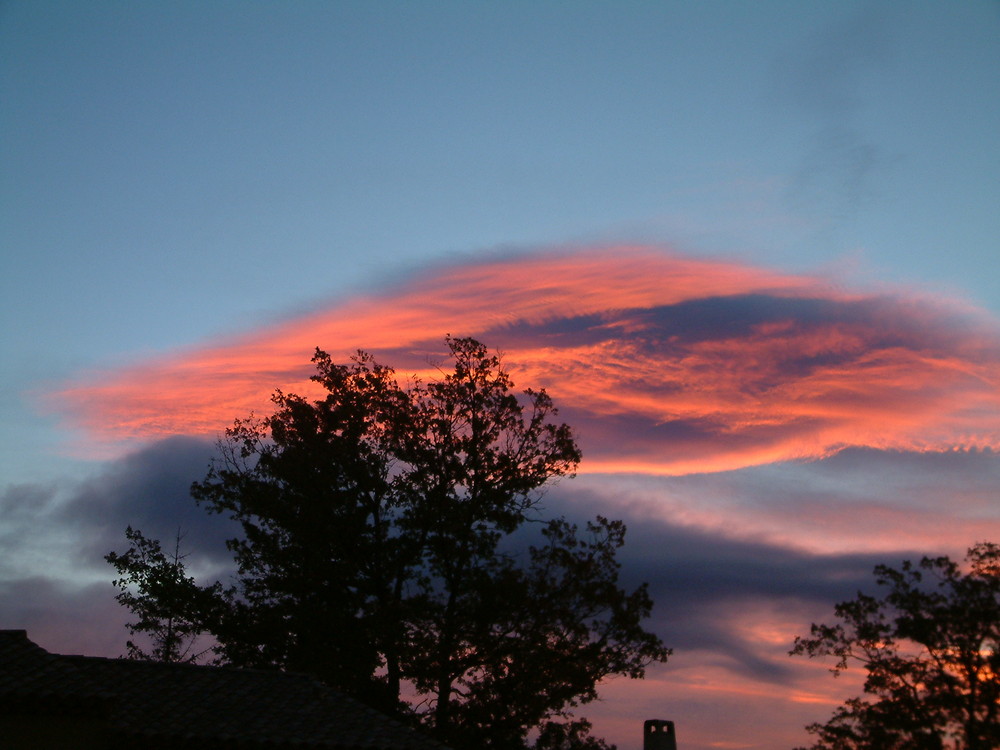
column 203, row 702
column 28, row 668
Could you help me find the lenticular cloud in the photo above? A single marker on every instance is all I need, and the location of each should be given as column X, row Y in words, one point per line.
column 663, row 364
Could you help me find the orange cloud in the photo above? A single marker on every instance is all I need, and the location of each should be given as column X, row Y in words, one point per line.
column 663, row 364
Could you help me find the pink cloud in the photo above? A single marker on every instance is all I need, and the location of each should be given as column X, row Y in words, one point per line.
column 663, row 364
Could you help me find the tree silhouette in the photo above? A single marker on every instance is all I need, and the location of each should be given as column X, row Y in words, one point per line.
column 378, row 552
column 169, row 605
column 931, row 648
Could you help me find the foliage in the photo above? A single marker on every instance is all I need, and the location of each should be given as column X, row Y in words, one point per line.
column 931, row 648
column 380, row 549
column 569, row 735
column 169, row 604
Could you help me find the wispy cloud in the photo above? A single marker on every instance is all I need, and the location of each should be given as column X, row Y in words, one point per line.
column 824, row 78
column 664, row 364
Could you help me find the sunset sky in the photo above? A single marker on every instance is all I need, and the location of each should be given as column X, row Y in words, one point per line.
column 750, row 249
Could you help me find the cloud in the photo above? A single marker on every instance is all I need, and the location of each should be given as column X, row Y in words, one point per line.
column 857, row 501
column 707, row 545
column 54, row 581
column 706, row 583
column 827, row 78
column 767, row 437
column 148, row 489
column 711, row 591
column 823, row 74
column 66, row 529
column 663, row 364
column 730, row 608
column 735, row 562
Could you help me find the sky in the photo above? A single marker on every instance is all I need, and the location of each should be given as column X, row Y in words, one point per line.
column 750, row 250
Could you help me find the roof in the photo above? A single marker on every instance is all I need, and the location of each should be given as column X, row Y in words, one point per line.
column 192, row 705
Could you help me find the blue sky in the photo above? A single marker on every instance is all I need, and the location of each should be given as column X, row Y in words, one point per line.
column 173, row 174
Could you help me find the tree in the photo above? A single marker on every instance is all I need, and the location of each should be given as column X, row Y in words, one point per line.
column 569, row 735
column 169, row 604
column 381, row 548
column 931, row 648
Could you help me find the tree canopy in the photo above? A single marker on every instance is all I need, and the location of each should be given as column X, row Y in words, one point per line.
column 381, row 552
column 931, row 649
column 155, row 586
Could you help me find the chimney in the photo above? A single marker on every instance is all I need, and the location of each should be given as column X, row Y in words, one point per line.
column 658, row 734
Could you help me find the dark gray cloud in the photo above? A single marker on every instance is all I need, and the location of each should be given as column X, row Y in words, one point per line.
column 665, row 330
column 22, row 506
column 53, row 539
column 707, row 583
column 148, row 490
column 72, row 526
